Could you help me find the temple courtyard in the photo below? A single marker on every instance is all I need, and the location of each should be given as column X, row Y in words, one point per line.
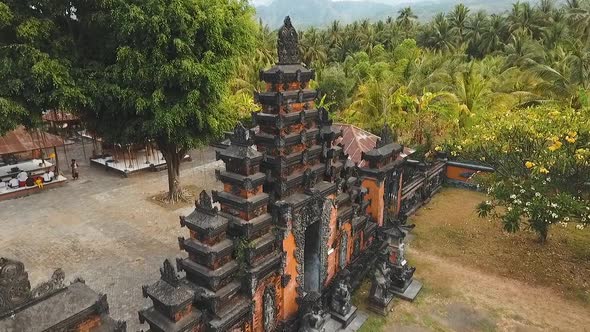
column 110, row 231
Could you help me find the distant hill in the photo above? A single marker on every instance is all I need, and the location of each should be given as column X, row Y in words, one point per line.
column 319, row 13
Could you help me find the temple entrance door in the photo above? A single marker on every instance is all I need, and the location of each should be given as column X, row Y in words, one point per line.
column 311, row 263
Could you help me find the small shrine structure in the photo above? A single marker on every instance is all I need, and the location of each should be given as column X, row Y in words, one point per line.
column 52, row 305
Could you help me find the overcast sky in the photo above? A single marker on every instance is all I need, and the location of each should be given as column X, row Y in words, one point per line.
column 391, row 2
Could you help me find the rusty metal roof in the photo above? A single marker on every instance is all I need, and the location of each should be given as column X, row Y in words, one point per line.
column 356, row 141
column 22, row 140
column 60, row 116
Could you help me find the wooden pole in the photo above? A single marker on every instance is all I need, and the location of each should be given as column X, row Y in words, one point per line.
column 66, row 154
column 56, row 160
column 83, row 147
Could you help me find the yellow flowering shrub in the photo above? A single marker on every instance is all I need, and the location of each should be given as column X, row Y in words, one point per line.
column 540, row 160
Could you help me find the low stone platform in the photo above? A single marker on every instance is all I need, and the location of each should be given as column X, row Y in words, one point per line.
column 333, row 325
column 382, row 308
column 410, row 293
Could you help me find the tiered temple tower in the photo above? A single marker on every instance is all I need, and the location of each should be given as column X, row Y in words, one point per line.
column 292, row 218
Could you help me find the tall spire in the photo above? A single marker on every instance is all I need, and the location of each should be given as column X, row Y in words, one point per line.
column 288, row 44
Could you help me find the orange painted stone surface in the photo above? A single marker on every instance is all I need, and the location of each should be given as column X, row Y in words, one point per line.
column 376, row 194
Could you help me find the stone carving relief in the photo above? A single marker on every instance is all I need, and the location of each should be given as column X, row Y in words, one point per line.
column 269, row 307
column 288, row 44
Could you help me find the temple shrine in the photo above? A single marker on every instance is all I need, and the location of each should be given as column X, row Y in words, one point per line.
column 296, row 226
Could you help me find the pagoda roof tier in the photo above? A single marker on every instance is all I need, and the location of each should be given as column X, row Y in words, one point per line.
column 379, row 173
column 281, row 121
column 279, row 98
column 275, row 141
column 206, row 224
column 170, row 299
column 203, row 276
column 282, row 186
column 359, row 223
column 287, row 74
column 237, row 309
column 266, row 267
column 342, row 199
column 247, row 182
column 240, row 203
column 298, row 200
column 379, row 154
column 243, row 153
column 370, row 228
column 260, row 247
column 344, row 214
column 277, row 162
column 250, row 228
column 216, row 301
column 159, row 322
column 205, row 254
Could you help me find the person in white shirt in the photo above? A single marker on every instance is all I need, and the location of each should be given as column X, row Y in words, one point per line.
column 13, row 183
column 48, row 176
column 22, row 176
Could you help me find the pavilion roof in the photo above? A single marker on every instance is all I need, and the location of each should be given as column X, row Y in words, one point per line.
column 23, row 140
column 356, row 141
column 60, row 116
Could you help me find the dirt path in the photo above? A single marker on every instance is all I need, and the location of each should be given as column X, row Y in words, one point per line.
column 458, row 298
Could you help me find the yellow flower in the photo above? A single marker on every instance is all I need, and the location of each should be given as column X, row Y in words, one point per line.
column 543, row 170
column 529, row 164
column 555, row 146
column 438, row 148
column 570, row 139
column 572, row 134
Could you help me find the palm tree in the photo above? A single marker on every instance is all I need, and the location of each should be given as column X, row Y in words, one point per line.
column 579, row 18
column 440, row 36
column 406, row 17
column 476, row 26
column 458, row 21
column 523, row 17
column 493, row 34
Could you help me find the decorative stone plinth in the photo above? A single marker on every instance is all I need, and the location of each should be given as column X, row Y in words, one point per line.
column 345, row 320
column 410, row 292
column 381, row 306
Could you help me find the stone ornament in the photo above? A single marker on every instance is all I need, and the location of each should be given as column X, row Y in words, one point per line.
column 288, row 44
column 15, row 288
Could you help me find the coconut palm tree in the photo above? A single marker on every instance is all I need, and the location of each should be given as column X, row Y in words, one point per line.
column 406, row 17
column 458, row 20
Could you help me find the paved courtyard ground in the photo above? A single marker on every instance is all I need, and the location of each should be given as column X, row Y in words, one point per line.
column 102, row 228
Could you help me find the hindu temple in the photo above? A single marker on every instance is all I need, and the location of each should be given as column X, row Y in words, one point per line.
column 296, row 226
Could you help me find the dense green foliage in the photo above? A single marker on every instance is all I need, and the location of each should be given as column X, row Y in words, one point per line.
column 134, row 70
column 474, row 83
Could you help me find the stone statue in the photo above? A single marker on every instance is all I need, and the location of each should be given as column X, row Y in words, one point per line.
column 381, row 280
column 313, row 321
column 314, row 318
column 401, row 276
column 341, row 298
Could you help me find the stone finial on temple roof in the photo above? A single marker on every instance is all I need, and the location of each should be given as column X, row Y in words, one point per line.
column 168, row 274
column 241, row 135
column 288, row 44
column 205, row 203
column 386, row 136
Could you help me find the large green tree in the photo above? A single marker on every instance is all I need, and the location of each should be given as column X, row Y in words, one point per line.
column 174, row 59
column 36, row 60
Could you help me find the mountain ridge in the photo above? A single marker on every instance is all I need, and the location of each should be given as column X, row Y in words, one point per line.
column 319, row 13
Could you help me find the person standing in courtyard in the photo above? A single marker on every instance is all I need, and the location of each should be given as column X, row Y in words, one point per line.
column 74, row 167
